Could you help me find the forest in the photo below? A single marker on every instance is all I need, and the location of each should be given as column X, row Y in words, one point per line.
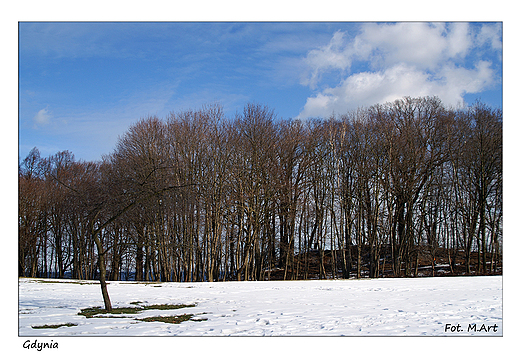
column 383, row 191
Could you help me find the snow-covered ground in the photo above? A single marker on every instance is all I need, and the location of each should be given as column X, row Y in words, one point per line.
column 443, row 306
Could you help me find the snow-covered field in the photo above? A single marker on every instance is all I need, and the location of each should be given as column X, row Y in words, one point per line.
column 444, row 306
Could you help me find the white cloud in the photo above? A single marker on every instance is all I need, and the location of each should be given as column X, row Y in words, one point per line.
column 42, row 117
column 459, row 40
column 419, row 44
column 491, row 33
column 403, row 59
column 368, row 88
column 330, row 57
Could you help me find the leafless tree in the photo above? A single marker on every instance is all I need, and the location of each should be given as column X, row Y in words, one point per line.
column 199, row 196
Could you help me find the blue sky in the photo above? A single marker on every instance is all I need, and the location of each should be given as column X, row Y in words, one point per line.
column 82, row 84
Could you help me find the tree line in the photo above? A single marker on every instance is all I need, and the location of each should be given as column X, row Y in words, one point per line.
column 202, row 197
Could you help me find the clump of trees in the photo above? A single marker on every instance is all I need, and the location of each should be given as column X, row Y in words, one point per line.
column 201, row 197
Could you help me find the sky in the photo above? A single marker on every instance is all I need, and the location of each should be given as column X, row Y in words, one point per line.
column 82, row 84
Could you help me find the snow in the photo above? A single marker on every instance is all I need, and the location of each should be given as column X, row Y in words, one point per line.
column 367, row 307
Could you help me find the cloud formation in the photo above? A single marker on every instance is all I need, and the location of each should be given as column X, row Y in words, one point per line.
column 42, row 117
column 384, row 62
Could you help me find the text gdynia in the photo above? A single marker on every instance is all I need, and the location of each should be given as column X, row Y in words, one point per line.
column 39, row 345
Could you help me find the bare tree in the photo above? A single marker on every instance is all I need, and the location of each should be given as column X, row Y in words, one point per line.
column 199, row 196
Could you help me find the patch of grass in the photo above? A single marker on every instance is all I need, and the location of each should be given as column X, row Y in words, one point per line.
column 111, row 316
column 95, row 311
column 89, row 312
column 199, row 319
column 54, row 326
column 26, row 311
column 168, row 319
column 99, row 312
column 165, row 307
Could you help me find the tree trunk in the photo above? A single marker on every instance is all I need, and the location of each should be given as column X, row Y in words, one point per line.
column 102, row 272
column 102, row 281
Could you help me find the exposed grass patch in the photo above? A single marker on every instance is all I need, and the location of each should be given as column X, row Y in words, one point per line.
column 54, row 326
column 166, row 307
column 99, row 312
column 95, row 311
column 26, row 311
column 199, row 319
column 168, row 319
column 111, row 316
